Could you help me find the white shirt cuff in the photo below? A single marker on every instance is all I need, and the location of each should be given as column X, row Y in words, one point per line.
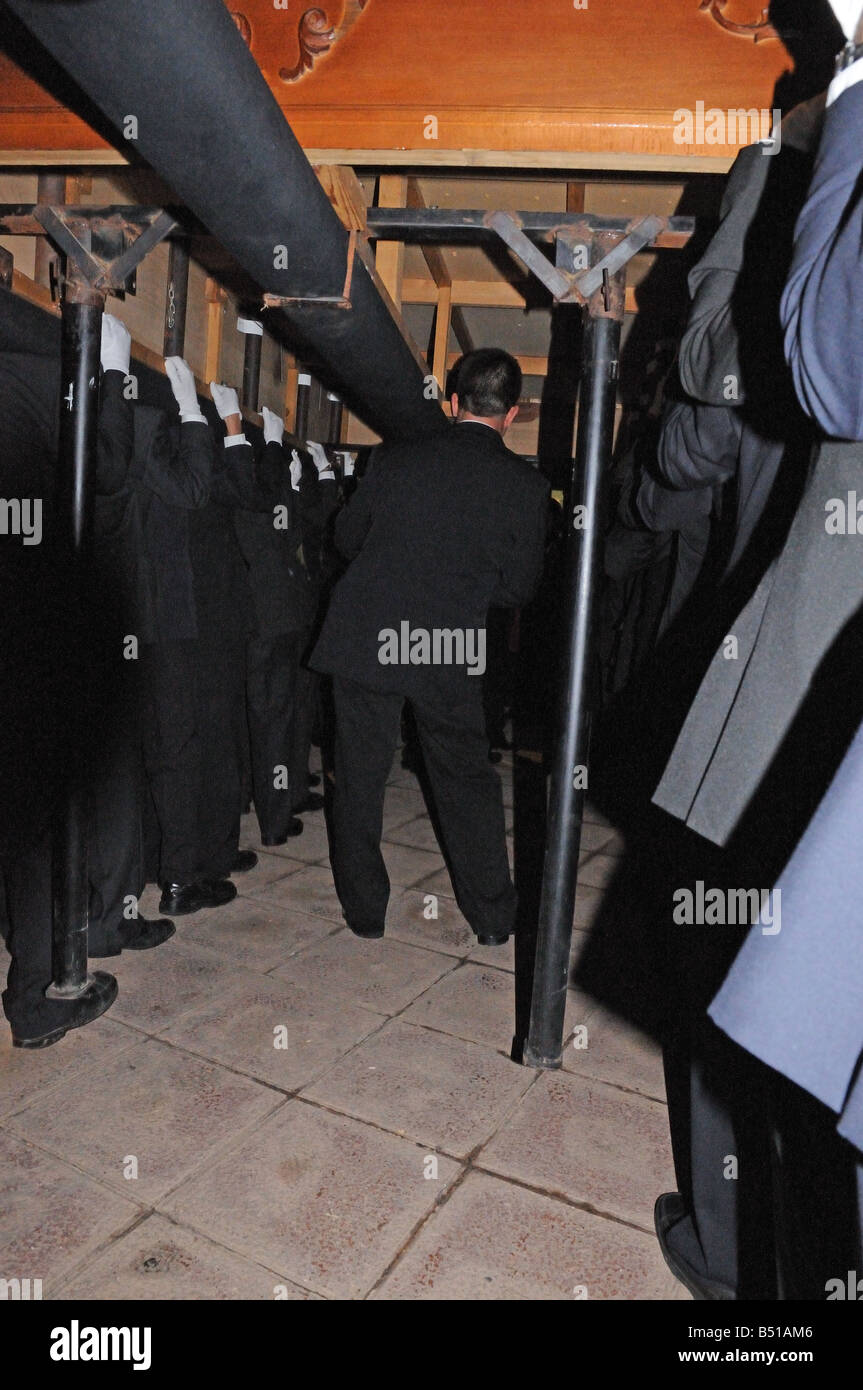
column 192, row 417
column 327, row 473
column 843, row 80
column 231, row 440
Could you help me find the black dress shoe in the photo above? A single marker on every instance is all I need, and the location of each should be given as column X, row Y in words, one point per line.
column 490, row 939
column 669, row 1210
column 295, row 828
column 313, row 802
column 246, row 859
column 178, row 899
column 137, row 935
column 99, row 995
column 369, row 932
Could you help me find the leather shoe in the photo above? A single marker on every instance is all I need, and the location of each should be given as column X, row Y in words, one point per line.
column 295, row 828
column 178, row 899
column 246, row 859
column 490, row 939
column 313, row 802
column 99, row 995
column 139, row 934
column 369, row 932
column 670, row 1208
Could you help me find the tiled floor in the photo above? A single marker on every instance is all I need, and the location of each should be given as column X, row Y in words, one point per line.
column 276, row 1109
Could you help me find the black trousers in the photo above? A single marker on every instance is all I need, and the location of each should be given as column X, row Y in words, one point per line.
column 194, row 728
column 26, row 879
column 172, row 754
column 115, row 860
column 308, row 686
column 272, row 671
column 466, row 791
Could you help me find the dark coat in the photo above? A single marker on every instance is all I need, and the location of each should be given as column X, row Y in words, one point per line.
column 143, row 500
column 799, row 601
column 281, row 590
column 438, row 530
column 223, row 597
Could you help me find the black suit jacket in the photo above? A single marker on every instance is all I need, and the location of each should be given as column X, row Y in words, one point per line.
column 281, row 590
column 150, row 476
column 440, row 529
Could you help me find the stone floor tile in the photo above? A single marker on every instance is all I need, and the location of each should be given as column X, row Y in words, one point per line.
column 153, row 1103
column 320, row 1198
column 240, row 1031
column 380, row 975
column 406, row 866
column 598, row 870
column 501, row 957
column 447, row 932
column 619, row 1054
column 27, row 1076
column 269, row 868
column 493, row 1240
column 311, row 891
column 439, row 1091
column 606, row 1148
column 401, row 805
column 312, row 847
column 418, row 834
column 52, row 1215
column 160, row 1260
column 256, row 933
column 157, row 987
column 588, row 901
column 477, row 1002
column 439, row 883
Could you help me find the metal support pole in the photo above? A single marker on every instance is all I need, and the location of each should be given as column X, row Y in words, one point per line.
column 604, row 317
column 50, row 188
column 334, row 424
column 175, row 302
column 80, row 345
column 252, row 371
column 304, row 392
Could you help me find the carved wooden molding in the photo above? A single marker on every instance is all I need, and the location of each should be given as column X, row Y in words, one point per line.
column 243, row 25
column 759, row 30
column 316, row 37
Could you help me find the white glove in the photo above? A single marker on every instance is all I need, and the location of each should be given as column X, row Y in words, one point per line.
column 274, row 426
column 348, row 462
column 320, row 459
column 848, row 14
column 296, row 470
column 183, row 386
column 225, row 399
column 116, row 347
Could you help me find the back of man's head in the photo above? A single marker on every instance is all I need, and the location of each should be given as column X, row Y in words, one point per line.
column 487, row 383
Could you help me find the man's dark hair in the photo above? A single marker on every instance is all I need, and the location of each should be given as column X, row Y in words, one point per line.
column 487, row 382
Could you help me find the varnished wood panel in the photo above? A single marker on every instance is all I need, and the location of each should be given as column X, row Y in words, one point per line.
column 587, row 86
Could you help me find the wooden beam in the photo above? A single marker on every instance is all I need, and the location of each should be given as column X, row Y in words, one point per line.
column 390, row 255
column 433, row 255
column 216, row 298
column 575, row 197
column 293, row 371
column 441, row 335
column 531, row 366
column 483, row 294
column 345, row 192
column 461, row 330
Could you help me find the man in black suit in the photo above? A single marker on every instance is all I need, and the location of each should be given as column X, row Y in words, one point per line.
column 439, row 529
column 282, row 600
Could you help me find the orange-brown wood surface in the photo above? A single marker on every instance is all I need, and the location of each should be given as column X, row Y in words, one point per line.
column 475, row 81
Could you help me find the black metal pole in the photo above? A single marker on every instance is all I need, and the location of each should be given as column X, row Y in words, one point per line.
column 544, row 1044
column 81, row 334
column 177, row 294
column 334, row 424
column 304, row 392
column 252, row 371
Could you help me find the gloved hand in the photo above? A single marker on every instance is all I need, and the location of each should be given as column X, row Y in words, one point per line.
column 225, row 399
column 349, row 463
column 848, row 14
column 183, row 386
column 296, row 470
column 319, row 457
column 274, row 426
column 116, row 348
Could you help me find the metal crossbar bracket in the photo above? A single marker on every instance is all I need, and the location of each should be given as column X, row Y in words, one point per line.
column 314, row 301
